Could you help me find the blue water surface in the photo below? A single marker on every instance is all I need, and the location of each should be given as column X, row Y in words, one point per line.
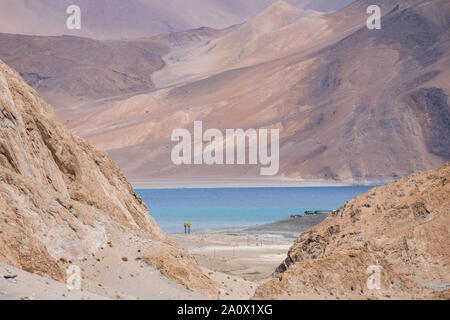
column 236, row 207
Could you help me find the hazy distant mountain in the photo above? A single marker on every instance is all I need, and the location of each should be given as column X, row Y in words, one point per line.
column 69, row 71
column 351, row 104
column 114, row 19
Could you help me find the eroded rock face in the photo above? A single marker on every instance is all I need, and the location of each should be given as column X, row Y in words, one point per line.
column 60, row 199
column 404, row 228
column 58, row 195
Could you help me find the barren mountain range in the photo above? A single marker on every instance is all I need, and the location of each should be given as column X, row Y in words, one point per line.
column 117, row 19
column 68, row 70
column 352, row 104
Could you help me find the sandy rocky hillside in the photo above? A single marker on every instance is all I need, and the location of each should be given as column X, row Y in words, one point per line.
column 402, row 227
column 63, row 202
column 117, row 19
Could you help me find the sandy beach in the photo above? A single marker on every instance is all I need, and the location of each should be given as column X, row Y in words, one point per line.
column 250, row 257
column 251, row 253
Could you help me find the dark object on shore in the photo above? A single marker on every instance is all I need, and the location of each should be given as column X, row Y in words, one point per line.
column 290, row 227
column 8, row 277
column 310, row 213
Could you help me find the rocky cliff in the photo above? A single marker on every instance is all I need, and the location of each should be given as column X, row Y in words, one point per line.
column 61, row 200
column 402, row 229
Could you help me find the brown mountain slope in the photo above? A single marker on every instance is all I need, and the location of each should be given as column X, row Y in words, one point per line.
column 402, row 228
column 278, row 31
column 68, row 71
column 354, row 105
column 117, row 19
column 61, row 199
column 75, row 74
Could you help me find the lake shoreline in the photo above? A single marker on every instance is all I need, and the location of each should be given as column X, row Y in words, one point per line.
column 234, row 183
column 208, row 209
column 290, row 227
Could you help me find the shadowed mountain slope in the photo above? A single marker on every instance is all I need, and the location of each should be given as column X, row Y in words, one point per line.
column 70, row 70
column 117, row 19
column 352, row 104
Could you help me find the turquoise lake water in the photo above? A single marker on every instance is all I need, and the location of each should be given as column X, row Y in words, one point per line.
column 223, row 208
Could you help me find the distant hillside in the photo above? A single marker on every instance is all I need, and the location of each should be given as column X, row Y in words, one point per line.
column 352, row 104
column 117, row 19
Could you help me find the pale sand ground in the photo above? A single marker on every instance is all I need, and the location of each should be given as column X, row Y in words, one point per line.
column 248, row 256
column 236, row 259
column 27, row 286
column 245, row 255
column 106, row 276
